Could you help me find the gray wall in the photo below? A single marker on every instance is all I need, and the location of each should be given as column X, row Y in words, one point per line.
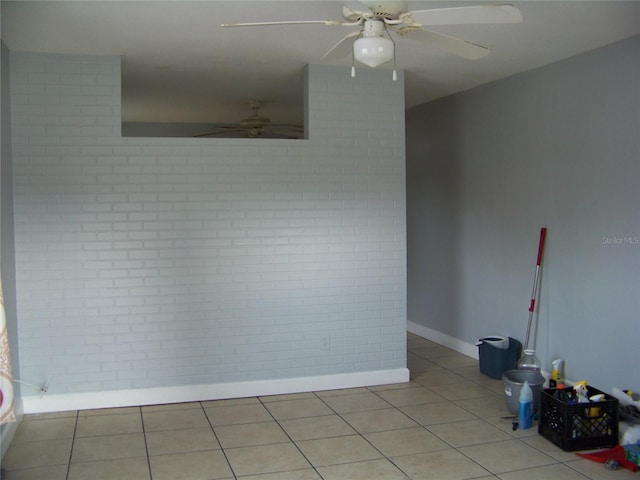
column 558, row 147
column 147, row 262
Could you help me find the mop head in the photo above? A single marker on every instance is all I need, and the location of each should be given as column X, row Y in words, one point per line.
column 611, row 457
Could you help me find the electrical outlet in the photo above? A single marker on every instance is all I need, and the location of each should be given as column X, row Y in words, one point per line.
column 325, row 343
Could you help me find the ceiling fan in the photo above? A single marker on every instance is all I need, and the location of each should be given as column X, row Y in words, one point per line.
column 374, row 45
column 255, row 126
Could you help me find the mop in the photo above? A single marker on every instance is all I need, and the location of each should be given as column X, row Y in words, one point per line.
column 613, row 458
column 529, row 353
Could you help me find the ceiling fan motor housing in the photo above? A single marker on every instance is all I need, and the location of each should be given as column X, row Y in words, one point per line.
column 373, row 28
column 255, row 121
column 386, row 9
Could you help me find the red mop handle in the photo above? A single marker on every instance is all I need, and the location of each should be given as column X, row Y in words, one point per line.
column 543, row 235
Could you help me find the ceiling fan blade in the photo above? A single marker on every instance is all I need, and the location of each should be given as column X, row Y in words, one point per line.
column 467, row 15
column 221, row 132
column 456, row 46
column 226, row 126
column 291, row 22
column 341, row 49
column 285, row 126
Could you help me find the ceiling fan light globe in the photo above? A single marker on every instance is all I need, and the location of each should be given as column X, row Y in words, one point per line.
column 373, row 51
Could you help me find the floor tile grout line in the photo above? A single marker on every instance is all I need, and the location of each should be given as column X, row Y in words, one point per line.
column 73, row 441
column 449, row 444
column 315, row 469
column 418, row 425
column 388, row 458
column 146, row 445
column 384, row 456
column 459, row 450
column 569, row 465
column 226, row 457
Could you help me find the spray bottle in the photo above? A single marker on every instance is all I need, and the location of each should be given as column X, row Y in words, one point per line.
column 580, row 389
column 526, row 402
column 556, row 373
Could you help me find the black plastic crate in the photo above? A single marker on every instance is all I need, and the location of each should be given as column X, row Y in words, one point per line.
column 578, row 426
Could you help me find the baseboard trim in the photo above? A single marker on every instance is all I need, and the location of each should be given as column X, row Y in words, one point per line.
column 468, row 349
column 195, row 393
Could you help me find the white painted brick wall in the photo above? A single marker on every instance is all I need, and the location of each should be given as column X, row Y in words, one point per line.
column 163, row 262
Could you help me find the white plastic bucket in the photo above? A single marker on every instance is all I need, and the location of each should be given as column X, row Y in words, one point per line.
column 496, row 341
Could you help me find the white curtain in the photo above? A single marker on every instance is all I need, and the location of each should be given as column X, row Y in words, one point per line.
column 6, row 386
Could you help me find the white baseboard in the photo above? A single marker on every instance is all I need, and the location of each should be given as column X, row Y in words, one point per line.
column 195, row 393
column 468, row 349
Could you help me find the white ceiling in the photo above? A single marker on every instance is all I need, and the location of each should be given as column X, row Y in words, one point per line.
column 179, row 65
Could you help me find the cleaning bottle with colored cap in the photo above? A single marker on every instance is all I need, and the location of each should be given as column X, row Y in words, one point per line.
column 556, row 373
column 526, row 405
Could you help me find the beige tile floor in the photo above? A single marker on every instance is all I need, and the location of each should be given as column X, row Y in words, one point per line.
column 446, row 424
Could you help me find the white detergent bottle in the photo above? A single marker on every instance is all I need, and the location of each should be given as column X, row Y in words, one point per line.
column 526, row 403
